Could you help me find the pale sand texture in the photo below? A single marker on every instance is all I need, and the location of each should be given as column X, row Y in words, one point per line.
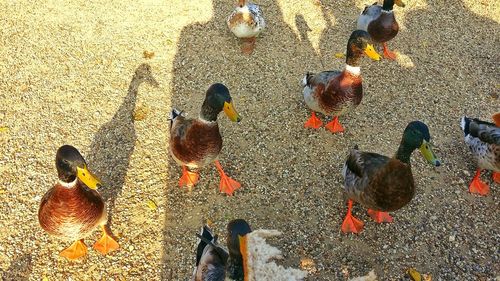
column 65, row 72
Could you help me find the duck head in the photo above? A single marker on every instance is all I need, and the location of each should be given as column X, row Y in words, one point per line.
column 71, row 165
column 236, row 229
column 360, row 43
column 218, row 99
column 416, row 135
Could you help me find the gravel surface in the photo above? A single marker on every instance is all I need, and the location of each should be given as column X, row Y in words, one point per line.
column 66, row 71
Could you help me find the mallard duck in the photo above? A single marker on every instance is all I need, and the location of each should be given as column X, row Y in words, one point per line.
column 72, row 208
column 246, row 22
column 483, row 140
column 381, row 23
column 213, row 262
column 248, row 256
column 335, row 92
column 383, row 184
column 195, row 143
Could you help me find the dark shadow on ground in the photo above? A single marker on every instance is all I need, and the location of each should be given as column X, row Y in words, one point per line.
column 19, row 270
column 114, row 142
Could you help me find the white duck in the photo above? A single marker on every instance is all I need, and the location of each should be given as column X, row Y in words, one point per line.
column 246, row 22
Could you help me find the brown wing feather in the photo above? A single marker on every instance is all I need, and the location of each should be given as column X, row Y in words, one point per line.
column 71, row 213
column 342, row 92
column 196, row 142
column 384, row 28
column 391, row 188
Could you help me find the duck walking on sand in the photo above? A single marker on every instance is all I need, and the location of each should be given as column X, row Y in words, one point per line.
column 72, row 208
column 384, row 184
column 483, row 140
column 246, row 22
column 195, row 143
column 380, row 23
column 334, row 93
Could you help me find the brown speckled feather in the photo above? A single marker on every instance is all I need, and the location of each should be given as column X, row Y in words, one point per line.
column 193, row 142
column 343, row 92
column 378, row 182
column 384, row 28
column 71, row 213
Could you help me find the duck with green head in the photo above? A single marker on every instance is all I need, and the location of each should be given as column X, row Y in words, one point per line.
column 380, row 23
column 334, row 93
column 195, row 143
column 384, row 184
column 72, row 208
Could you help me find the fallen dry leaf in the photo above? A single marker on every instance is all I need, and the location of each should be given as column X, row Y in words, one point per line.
column 140, row 113
column 414, row 274
column 340, row 55
column 151, row 204
column 148, row 55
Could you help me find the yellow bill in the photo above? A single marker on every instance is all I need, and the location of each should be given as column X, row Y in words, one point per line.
column 428, row 154
column 87, row 177
column 399, row 3
column 371, row 53
column 231, row 112
column 244, row 255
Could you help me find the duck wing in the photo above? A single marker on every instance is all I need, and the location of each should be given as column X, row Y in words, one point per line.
column 485, row 131
column 369, row 14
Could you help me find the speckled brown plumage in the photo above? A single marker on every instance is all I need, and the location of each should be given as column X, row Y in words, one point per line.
column 195, row 142
column 342, row 92
column 384, row 28
column 71, row 213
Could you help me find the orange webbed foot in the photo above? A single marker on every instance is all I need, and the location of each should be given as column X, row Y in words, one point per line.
column 227, row 184
column 388, row 54
column 478, row 186
column 106, row 244
column 351, row 224
column 496, row 177
column 313, row 122
column 379, row 217
column 77, row 250
column 248, row 45
column 188, row 178
column 334, row 126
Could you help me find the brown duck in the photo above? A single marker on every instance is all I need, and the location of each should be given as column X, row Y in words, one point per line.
column 195, row 143
column 383, row 184
column 72, row 209
column 333, row 93
column 380, row 23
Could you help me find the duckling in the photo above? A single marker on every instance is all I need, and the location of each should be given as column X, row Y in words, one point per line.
column 195, row 143
column 337, row 92
column 483, row 140
column 380, row 23
column 246, row 22
column 383, row 184
column 72, row 208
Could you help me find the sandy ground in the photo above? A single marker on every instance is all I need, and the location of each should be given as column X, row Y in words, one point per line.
column 65, row 77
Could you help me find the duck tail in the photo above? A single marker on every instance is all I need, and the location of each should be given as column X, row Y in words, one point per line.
column 175, row 112
column 464, row 124
column 305, row 81
column 206, row 237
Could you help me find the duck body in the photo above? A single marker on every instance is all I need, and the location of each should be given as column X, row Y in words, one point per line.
column 71, row 212
column 333, row 92
column 194, row 143
column 72, row 208
column 380, row 24
column 378, row 182
column 246, row 20
column 483, row 140
column 383, row 184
